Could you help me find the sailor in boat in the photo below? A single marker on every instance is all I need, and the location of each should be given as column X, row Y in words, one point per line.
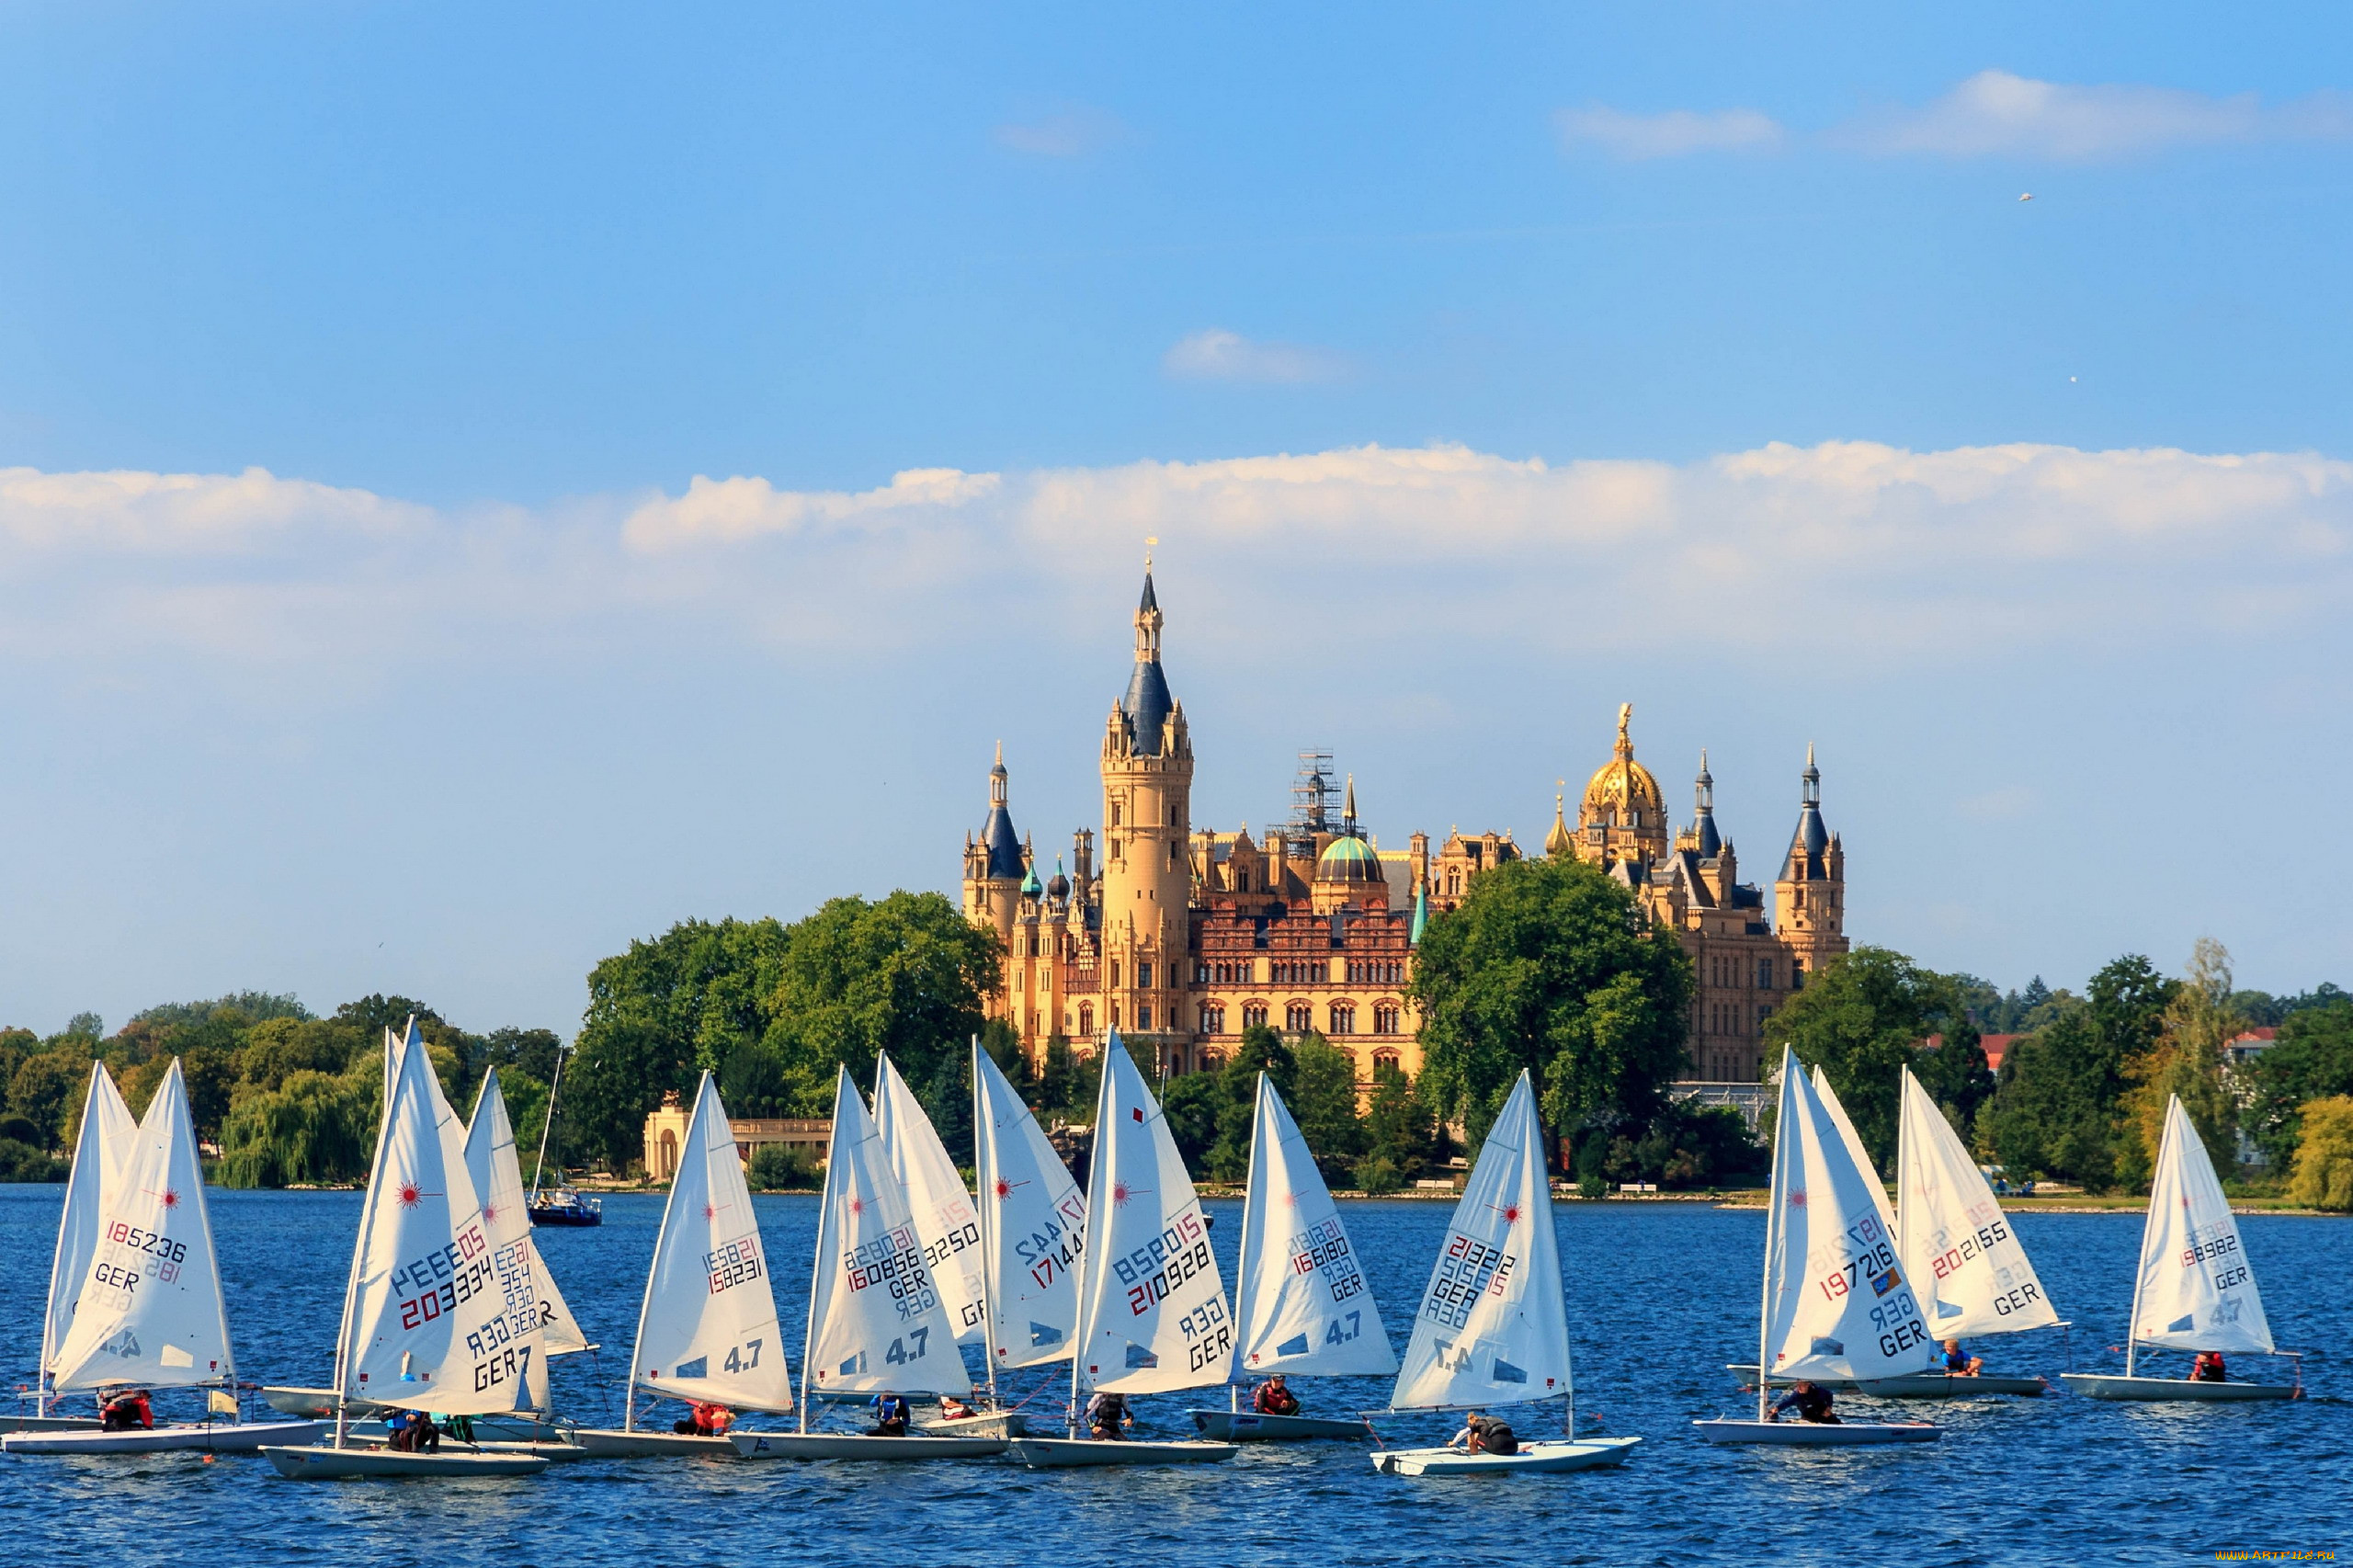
column 133, row 1409
column 1811, row 1401
column 1485, row 1434
column 415, row 1432
column 954, row 1409
column 1106, row 1416
column 1958, row 1363
column 890, row 1414
column 2209, row 1368
column 704, row 1420
column 1271, row 1398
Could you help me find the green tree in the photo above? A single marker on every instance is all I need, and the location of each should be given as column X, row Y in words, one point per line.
column 1192, row 1107
column 2187, row 1061
column 1400, row 1139
column 2312, row 1059
column 48, row 1087
column 2323, row 1177
column 1323, row 1102
column 1863, row 1016
column 314, row 1128
column 1548, row 967
column 777, row 1167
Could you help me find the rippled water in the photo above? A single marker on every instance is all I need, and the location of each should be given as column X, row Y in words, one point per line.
column 1660, row 1295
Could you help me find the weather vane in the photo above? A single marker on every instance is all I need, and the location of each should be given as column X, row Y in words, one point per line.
column 1149, row 541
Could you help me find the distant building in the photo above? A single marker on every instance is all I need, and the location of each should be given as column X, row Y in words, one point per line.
column 665, row 1133
column 2244, row 1048
column 1183, row 936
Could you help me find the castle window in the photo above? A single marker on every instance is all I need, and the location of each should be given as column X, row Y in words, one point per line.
column 1299, row 1017
column 1212, row 1018
column 1765, row 974
column 1201, row 973
column 1254, row 1014
column 1115, row 977
column 1087, row 1021
column 1143, row 1014
column 1344, row 1017
column 1143, row 977
column 1115, row 813
column 1384, row 1021
column 1386, row 1062
column 1115, row 1015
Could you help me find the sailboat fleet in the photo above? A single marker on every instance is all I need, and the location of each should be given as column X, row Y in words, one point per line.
column 449, row 1307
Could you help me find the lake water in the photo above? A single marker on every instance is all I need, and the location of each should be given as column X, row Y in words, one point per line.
column 1660, row 1297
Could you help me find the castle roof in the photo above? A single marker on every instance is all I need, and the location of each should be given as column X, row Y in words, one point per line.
column 1623, row 785
column 1147, row 703
column 1348, row 859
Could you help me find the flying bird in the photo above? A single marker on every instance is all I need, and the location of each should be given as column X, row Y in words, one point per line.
column 2026, row 196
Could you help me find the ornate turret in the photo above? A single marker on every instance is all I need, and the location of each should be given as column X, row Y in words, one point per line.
column 1622, row 820
column 1559, row 842
column 1147, row 863
column 1810, row 899
column 996, row 865
column 1706, row 840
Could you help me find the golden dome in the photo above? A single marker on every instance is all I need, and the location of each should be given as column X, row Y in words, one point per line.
column 1623, row 787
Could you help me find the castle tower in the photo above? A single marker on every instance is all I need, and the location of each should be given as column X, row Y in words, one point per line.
column 1147, row 872
column 1622, row 820
column 995, row 864
column 1809, row 898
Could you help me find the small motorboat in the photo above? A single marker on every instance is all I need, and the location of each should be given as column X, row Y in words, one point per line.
column 565, row 1206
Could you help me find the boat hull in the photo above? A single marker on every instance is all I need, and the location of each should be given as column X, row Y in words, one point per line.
column 2102, row 1385
column 311, row 1403
column 318, row 1462
column 224, row 1438
column 856, row 1445
column 1251, row 1427
column 1542, row 1457
column 487, row 1430
column 1065, row 1453
column 1913, row 1385
column 1817, row 1435
column 986, row 1424
column 612, row 1443
column 49, row 1422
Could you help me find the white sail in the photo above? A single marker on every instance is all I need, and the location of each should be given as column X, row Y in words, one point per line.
column 1962, row 1260
column 498, row 1174
column 1035, row 1227
column 1854, row 1149
column 945, row 1220
column 1152, row 1310
column 1836, row 1302
column 876, row 1320
column 2197, row 1288
column 150, row 1310
column 708, row 1328
column 99, row 1152
column 438, row 1316
column 1493, row 1327
column 1302, row 1303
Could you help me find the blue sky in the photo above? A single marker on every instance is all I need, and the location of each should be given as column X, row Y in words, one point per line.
column 478, row 484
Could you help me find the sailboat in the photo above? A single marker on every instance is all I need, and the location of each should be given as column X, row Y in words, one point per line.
column 1494, row 1326
column 877, row 1322
column 150, row 1313
column 1033, row 1228
column 560, row 1205
column 707, row 1329
column 1955, row 1247
column 1303, row 1306
column 435, row 1317
column 2195, row 1288
column 1834, row 1304
column 108, row 1128
column 1152, row 1313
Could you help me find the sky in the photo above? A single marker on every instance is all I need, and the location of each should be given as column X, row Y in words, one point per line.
column 481, row 484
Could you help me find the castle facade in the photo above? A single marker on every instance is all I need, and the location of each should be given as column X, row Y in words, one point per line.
column 1182, row 936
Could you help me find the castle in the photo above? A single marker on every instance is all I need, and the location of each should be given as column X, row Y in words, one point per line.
column 1184, row 937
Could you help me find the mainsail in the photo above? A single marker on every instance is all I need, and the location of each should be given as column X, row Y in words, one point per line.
column 150, row 1310
column 1033, row 1226
column 876, row 1320
column 945, row 1220
column 497, row 1175
column 438, row 1316
column 1835, row 1303
column 2196, row 1289
column 1302, row 1303
column 99, row 1152
column 707, row 1329
column 1152, row 1305
column 1962, row 1260
column 1493, row 1327
column 1854, row 1149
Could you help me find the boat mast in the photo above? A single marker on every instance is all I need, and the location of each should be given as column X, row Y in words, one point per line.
column 1772, row 1227
column 1093, row 1185
column 824, row 1231
column 539, row 1165
column 984, row 1175
column 2132, row 1324
column 1245, row 1283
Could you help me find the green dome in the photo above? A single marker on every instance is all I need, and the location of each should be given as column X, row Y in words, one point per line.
column 1348, row 860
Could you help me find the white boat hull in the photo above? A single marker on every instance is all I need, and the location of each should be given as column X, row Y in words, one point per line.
column 487, row 1430
column 1817, row 1435
column 323, row 1463
column 221, row 1437
column 552, row 1452
column 312, row 1402
column 1251, row 1427
column 856, row 1445
column 2102, row 1385
column 49, row 1422
column 1062, row 1453
column 1559, row 1454
column 1912, row 1385
column 612, row 1443
column 986, row 1424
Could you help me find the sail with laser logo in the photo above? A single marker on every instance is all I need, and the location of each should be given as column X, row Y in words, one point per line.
column 1494, row 1327
column 498, row 1174
column 876, row 1319
column 945, row 1220
column 1034, row 1226
column 1962, row 1260
column 708, row 1328
column 99, row 1152
column 1303, row 1306
column 2197, row 1288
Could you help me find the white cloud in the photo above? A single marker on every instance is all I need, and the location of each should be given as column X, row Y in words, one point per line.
column 1997, row 114
column 1218, row 354
column 1672, row 134
column 1067, row 133
column 719, row 509
column 179, row 514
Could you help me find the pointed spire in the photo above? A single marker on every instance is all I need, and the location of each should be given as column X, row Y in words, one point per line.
column 1147, row 705
column 1625, row 739
column 1558, row 841
column 1004, row 844
column 1811, row 837
column 1703, row 825
column 1421, row 914
column 1349, row 809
